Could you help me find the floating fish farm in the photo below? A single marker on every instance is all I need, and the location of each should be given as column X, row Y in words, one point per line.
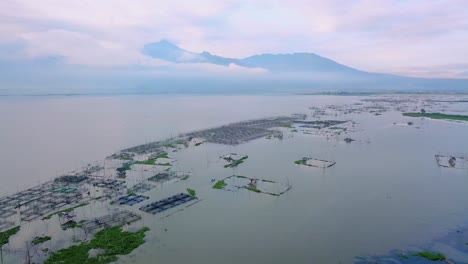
column 132, row 199
column 118, row 218
column 167, row 203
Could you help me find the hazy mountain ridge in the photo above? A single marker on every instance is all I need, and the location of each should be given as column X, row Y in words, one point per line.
column 277, row 63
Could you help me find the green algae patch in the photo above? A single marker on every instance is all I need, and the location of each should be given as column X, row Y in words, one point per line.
column 430, row 256
column 191, row 192
column 438, row 116
column 163, row 156
column 219, row 185
column 40, row 240
column 5, row 236
column 146, row 162
column 109, row 243
column 300, row 162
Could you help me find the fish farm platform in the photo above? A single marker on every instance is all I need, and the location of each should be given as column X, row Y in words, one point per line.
column 167, row 203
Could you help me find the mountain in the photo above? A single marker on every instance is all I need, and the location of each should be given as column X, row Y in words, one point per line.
column 280, row 63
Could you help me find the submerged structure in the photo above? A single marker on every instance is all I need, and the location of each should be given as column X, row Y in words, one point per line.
column 118, row 218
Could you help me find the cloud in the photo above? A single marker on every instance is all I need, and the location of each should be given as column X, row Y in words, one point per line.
column 82, row 49
column 436, row 71
column 373, row 35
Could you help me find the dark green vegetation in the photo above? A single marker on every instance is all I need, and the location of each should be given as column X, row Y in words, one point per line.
column 268, row 181
column 235, row 163
column 438, row 116
column 5, row 236
column 163, row 164
column 162, row 176
column 300, row 162
column 319, row 124
column 219, row 185
column 191, row 192
column 146, row 162
column 112, row 242
column 185, row 177
column 404, row 256
column 70, row 224
column 68, row 210
column 163, row 156
column 430, row 256
column 40, row 240
column 131, row 193
column 252, row 188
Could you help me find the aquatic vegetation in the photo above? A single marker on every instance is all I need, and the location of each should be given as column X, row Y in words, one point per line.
column 146, row 162
column 430, row 256
column 5, row 236
column 112, row 242
column 268, row 181
column 163, row 164
column 219, row 185
column 191, row 192
column 252, row 188
column 300, row 162
column 404, row 256
column 234, row 163
column 163, row 156
column 40, row 240
column 70, row 224
column 185, row 177
column 127, row 166
column 438, row 116
column 68, row 210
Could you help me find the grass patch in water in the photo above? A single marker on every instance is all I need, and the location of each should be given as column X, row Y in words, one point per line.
column 300, row 162
column 112, row 241
column 438, row 116
column 40, row 240
column 404, row 256
column 430, row 256
column 252, row 188
column 219, row 185
column 146, row 162
column 5, row 235
column 163, row 156
column 164, row 164
column 191, row 192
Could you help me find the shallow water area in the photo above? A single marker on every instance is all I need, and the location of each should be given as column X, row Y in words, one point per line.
column 385, row 192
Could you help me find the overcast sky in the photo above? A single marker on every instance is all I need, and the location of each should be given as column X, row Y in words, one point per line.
column 417, row 37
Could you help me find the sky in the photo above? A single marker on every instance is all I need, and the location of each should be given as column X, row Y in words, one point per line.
column 422, row 38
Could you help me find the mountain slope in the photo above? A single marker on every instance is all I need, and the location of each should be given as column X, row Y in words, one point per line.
column 296, row 62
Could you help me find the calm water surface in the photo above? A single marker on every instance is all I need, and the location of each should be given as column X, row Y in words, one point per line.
column 386, row 194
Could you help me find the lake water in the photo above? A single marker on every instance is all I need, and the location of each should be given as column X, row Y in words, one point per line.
column 385, row 192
